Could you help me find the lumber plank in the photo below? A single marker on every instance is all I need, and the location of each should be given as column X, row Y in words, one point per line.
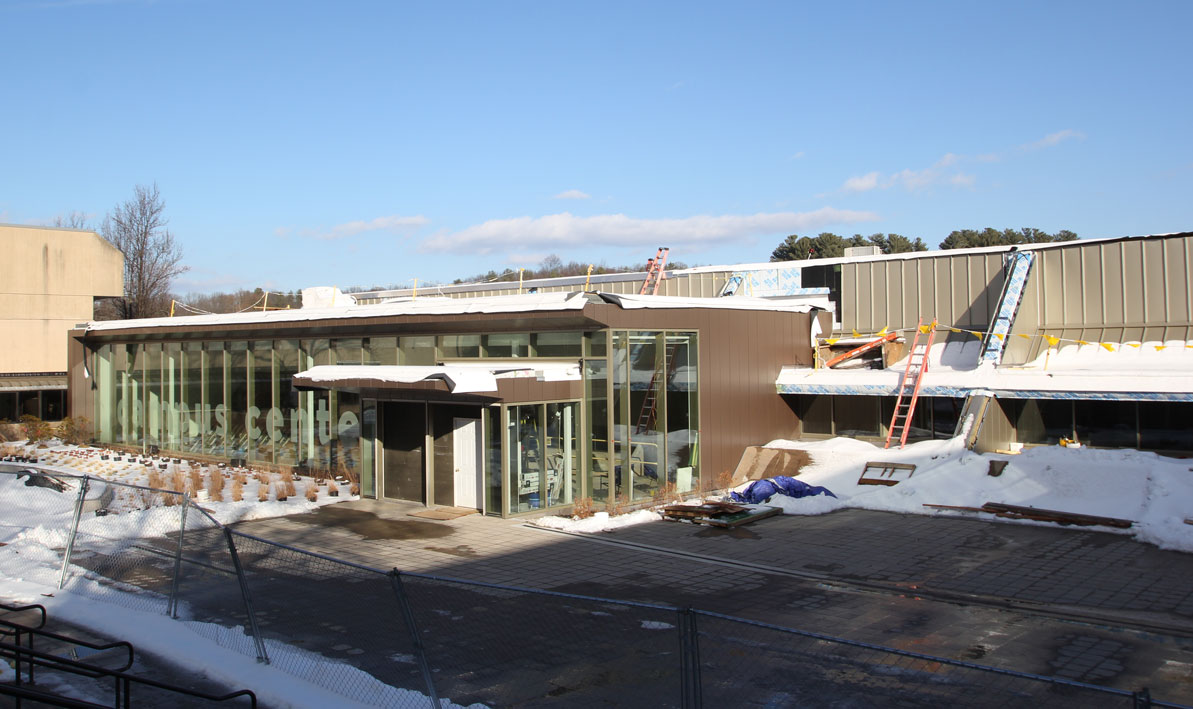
column 1058, row 516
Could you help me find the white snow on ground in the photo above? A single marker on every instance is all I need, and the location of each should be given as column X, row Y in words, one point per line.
column 1154, row 492
column 30, row 568
column 599, row 522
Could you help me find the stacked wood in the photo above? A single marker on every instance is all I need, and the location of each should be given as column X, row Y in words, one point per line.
column 1039, row 514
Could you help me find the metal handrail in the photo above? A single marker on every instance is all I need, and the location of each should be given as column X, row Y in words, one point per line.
column 34, row 606
column 21, row 629
column 123, row 680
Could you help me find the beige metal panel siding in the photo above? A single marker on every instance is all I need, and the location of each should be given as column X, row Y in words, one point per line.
column 1113, row 294
column 1176, row 276
column 1133, row 275
column 996, row 432
column 943, row 302
column 865, row 299
column 1092, row 292
column 911, row 289
column 1073, row 309
column 1154, row 301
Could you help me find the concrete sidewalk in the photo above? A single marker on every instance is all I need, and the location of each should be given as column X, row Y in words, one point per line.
column 1000, row 594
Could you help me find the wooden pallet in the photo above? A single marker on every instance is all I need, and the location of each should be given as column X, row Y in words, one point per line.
column 880, row 473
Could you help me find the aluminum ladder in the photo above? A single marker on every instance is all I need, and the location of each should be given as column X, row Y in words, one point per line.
column 909, row 387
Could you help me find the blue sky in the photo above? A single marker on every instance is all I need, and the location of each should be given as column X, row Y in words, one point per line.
column 372, row 143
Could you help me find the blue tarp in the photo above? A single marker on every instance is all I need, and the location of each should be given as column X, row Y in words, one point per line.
column 762, row 490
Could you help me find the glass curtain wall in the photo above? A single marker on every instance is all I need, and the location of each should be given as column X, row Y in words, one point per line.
column 235, row 400
column 542, row 455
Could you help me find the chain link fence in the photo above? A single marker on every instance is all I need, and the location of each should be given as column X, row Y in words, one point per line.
column 386, row 638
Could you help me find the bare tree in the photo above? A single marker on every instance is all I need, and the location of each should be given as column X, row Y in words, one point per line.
column 74, row 220
column 152, row 259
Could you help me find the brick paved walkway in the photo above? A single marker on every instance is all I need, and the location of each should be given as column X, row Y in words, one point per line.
column 862, row 575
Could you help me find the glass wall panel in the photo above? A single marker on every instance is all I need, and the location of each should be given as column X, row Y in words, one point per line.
column 368, row 447
column 619, row 365
column 172, row 395
column 682, row 411
column 282, row 424
column 492, row 457
column 8, row 407
column 133, row 416
column 104, row 417
column 1166, row 425
column 596, row 382
column 53, row 404
column 316, row 412
column 525, row 453
column 345, row 445
column 260, row 401
column 191, row 405
column 1040, row 421
column 381, row 350
column 1107, row 424
column 153, row 395
column 649, row 369
column 214, row 418
column 459, row 346
column 29, row 403
column 236, row 358
column 348, row 351
column 595, row 343
column 417, row 351
column 562, row 460
column 507, row 344
column 857, row 415
column 557, row 344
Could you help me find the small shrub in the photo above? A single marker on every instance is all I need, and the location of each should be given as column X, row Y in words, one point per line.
column 332, row 489
column 616, row 505
column 75, row 430
column 312, row 492
column 263, row 492
column 354, row 489
column 237, row 490
column 583, row 508
column 35, row 429
column 665, row 493
column 288, row 486
column 178, row 481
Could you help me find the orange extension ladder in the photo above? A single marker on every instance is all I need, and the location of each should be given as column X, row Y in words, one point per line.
column 909, row 388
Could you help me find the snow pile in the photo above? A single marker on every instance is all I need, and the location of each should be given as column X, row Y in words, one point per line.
column 599, row 522
column 1154, row 492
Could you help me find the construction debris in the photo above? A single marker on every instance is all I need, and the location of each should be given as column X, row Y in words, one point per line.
column 719, row 514
column 880, row 473
column 1040, row 514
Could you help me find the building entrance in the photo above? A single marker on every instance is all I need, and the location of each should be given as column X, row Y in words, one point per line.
column 403, row 440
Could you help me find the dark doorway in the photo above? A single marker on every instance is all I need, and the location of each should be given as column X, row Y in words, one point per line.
column 404, row 428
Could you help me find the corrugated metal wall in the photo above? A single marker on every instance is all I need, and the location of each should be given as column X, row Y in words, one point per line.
column 1132, row 290
column 958, row 290
column 687, row 285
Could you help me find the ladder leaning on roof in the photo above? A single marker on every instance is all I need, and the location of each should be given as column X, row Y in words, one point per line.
column 909, row 386
column 655, row 272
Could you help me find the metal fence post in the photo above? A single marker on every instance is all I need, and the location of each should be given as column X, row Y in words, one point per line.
column 74, row 530
column 262, row 656
column 1143, row 699
column 172, row 610
column 691, row 694
column 395, row 579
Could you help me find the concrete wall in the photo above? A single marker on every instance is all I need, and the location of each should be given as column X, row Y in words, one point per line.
column 50, row 277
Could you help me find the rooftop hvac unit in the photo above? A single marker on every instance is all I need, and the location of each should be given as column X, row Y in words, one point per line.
column 862, row 251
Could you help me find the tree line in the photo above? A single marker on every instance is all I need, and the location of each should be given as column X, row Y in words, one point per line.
column 829, row 245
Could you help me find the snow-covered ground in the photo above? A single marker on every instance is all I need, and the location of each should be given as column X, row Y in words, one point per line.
column 1154, row 492
column 35, row 521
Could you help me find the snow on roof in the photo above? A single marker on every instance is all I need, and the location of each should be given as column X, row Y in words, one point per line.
column 460, row 378
column 528, row 302
column 1072, row 372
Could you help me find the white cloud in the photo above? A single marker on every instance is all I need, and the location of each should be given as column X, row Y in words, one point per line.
column 863, row 183
column 572, row 194
column 798, row 155
column 556, row 231
column 911, row 180
column 393, row 224
column 1052, row 139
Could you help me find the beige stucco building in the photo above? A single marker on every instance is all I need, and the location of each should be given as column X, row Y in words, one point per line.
column 51, row 278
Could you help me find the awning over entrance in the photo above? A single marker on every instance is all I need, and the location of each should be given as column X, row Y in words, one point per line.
column 462, row 378
column 32, row 382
